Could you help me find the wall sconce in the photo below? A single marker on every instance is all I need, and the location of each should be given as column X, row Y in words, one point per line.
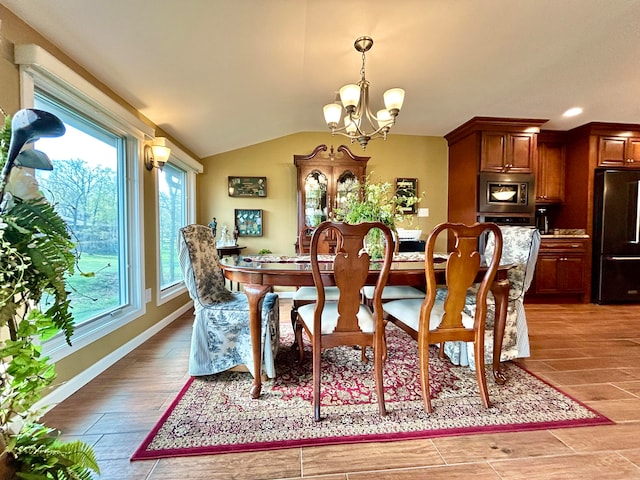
column 157, row 154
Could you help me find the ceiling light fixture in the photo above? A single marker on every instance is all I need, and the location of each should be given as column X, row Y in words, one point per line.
column 157, row 154
column 572, row 112
column 355, row 99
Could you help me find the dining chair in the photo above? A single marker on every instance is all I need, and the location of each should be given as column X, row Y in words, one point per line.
column 307, row 295
column 347, row 321
column 393, row 292
column 441, row 316
column 520, row 245
column 221, row 337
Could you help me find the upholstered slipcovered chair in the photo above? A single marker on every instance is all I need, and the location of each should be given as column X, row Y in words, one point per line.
column 221, row 338
column 520, row 247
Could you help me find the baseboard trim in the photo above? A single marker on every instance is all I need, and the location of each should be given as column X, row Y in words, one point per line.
column 71, row 386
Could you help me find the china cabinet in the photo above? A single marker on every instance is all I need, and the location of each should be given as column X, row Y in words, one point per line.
column 325, row 177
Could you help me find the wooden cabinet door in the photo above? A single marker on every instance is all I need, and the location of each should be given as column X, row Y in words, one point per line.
column 612, row 151
column 493, row 152
column 550, row 173
column 507, row 152
column 633, row 152
column 547, row 274
column 571, row 274
column 520, row 153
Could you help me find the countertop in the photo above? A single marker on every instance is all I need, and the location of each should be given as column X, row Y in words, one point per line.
column 566, row 233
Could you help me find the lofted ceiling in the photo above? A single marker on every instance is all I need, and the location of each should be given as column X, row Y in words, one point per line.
column 223, row 74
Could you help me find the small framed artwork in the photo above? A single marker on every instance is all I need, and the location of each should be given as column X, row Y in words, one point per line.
column 247, row 186
column 407, row 188
column 248, row 222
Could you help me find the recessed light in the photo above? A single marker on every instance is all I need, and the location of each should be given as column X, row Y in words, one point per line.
column 572, row 112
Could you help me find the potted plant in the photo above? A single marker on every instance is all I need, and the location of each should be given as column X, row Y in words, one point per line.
column 36, row 255
column 375, row 201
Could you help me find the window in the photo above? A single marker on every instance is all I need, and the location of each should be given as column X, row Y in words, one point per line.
column 176, row 208
column 173, row 215
column 83, row 188
column 95, row 186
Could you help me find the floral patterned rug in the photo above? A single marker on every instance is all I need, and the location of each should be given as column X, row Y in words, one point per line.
column 215, row 414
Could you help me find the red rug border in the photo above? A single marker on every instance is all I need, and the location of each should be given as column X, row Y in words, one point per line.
column 142, row 454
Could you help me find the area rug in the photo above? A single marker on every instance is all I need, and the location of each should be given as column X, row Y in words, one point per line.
column 215, row 414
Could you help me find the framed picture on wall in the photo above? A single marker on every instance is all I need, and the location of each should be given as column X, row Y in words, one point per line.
column 248, row 222
column 247, row 186
column 407, row 187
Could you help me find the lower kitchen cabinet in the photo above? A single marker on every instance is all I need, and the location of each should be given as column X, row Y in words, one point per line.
column 561, row 270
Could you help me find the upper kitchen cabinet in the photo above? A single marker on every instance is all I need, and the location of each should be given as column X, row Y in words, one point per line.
column 324, row 180
column 512, row 152
column 549, row 170
column 620, row 151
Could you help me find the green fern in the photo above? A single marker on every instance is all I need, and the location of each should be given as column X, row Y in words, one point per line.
column 41, row 455
column 36, row 229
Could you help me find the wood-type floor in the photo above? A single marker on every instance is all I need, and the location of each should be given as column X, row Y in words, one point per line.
column 590, row 351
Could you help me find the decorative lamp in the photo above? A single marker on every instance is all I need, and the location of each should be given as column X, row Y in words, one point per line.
column 355, row 100
column 156, row 154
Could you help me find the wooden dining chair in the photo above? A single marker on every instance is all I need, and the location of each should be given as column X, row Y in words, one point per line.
column 393, row 292
column 348, row 321
column 307, row 295
column 442, row 316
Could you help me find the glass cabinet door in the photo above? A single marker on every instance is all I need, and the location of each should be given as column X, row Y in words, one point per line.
column 315, row 198
column 347, row 183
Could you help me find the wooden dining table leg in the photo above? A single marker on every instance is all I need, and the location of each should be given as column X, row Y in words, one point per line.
column 254, row 294
column 500, row 290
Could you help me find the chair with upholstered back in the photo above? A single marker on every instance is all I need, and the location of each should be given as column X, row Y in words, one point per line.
column 346, row 321
column 439, row 318
column 520, row 249
column 221, row 338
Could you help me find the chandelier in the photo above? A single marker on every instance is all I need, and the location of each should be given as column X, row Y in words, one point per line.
column 355, row 99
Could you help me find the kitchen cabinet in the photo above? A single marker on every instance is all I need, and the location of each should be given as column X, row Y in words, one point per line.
column 550, row 175
column 561, row 268
column 486, row 144
column 324, row 180
column 512, row 152
column 619, row 151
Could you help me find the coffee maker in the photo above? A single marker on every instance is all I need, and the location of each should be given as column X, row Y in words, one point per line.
column 542, row 221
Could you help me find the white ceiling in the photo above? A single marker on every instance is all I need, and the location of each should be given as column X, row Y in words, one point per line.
column 223, row 74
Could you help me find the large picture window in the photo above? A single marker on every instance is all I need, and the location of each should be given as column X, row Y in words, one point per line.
column 95, row 185
column 83, row 188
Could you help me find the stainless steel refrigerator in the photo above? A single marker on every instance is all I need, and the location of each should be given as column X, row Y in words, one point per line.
column 616, row 237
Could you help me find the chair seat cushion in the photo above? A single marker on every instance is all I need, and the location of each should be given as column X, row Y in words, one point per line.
column 393, row 292
column 408, row 312
column 330, row 317
column 331, row 294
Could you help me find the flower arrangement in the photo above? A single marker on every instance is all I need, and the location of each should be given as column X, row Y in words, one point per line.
column 375, row 201
column 36, row 256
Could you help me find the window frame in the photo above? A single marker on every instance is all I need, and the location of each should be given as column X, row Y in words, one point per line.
column 39, row 68
column 182, row 160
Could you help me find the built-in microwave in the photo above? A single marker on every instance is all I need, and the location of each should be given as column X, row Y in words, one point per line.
column 506, row 193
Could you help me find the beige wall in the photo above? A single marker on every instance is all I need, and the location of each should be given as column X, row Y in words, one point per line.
column 424, row 158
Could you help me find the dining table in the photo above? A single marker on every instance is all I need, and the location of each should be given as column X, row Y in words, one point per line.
column 258, row 274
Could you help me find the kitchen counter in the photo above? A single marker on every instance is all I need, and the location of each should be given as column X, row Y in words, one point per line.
column 566, row 233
